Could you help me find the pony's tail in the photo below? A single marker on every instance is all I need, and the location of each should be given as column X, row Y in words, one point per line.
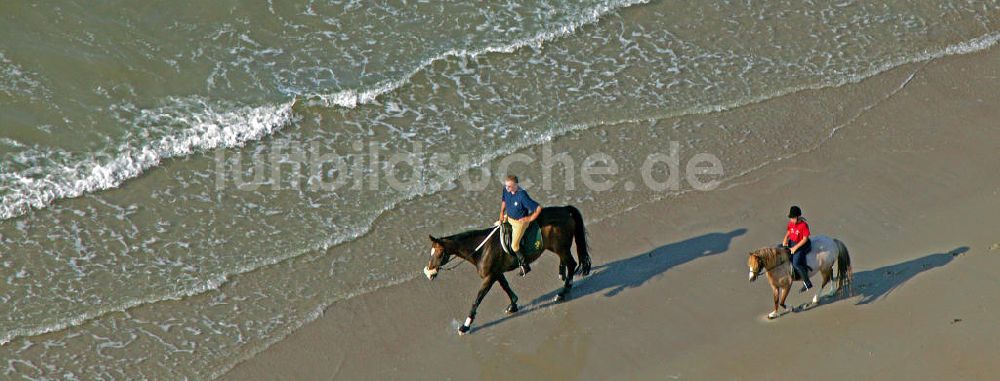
column 580, row 234
column 844, row 274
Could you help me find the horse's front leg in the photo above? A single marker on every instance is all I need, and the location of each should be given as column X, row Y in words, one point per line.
column 485, row 288
column 784, row 295
column 774, row 297
column 512, row 308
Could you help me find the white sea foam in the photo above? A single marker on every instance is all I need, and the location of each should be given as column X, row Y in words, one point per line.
column 353, row 98
column 211, row 129
column 206, row 129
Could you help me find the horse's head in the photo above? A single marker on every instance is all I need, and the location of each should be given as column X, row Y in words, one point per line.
column 439, row 257
column 754, row 263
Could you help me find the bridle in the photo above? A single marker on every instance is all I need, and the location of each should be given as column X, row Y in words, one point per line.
column 760, row 267
column 445, row 257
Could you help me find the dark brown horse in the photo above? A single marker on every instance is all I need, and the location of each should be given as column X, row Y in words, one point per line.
column 560, row 225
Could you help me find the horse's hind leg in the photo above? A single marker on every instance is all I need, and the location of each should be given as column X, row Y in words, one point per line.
column 827, row 275
column 512, row 308
column 566, row 259
column 485, row 288
column 562, row 271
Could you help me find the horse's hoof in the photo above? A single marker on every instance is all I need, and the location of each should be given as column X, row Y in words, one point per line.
column 773, row 315
column 815, row 299
column 511, row 309
column 558, row 298
column 562, row 278
column 463, row 330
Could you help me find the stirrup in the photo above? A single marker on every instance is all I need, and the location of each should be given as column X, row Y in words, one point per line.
column 525, row 269
column 523, row 264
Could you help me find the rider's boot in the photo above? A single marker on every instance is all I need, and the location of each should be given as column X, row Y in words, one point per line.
column 804, row 275
column 525, row 268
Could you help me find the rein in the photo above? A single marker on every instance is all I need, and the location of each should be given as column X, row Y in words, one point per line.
column 486, row 239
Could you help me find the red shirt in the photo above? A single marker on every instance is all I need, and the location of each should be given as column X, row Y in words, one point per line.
column 798, row 230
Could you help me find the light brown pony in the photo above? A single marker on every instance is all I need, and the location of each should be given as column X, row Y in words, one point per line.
column 776, row 261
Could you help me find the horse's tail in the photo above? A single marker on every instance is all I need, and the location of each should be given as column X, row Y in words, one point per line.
column 580, row 234
column 844, row 273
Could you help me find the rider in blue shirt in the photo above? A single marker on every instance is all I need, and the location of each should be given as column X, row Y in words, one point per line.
column 517, row 208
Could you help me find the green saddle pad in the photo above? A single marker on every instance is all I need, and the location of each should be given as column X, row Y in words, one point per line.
column 531, row 241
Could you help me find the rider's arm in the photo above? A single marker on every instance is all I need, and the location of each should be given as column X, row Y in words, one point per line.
column 801, row 243
column 784, row 241
column 534, row 215
column 503, row 210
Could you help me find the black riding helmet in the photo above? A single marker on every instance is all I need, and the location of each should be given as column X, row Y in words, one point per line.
column 794, row 212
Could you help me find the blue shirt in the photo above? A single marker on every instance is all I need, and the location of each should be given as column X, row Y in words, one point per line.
column 519, row 204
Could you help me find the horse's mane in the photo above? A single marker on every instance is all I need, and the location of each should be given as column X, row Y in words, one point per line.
column 467, row 234
column 463, row 243
column 771, row 256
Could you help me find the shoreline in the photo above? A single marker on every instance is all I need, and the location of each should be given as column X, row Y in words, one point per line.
column 668, row 296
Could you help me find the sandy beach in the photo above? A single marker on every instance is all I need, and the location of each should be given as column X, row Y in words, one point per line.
column 909, row 183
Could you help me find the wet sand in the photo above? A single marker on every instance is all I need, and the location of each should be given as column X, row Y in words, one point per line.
column 910, row 185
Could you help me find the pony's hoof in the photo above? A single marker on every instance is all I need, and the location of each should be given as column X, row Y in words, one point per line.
column 815, row 299
column 562, row 278
column 511, row 309
column 463, row 330
column 558, row 298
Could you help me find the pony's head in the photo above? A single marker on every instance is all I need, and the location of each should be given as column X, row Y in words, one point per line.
column 755, row 265
column 439, row 257
column 765, row 259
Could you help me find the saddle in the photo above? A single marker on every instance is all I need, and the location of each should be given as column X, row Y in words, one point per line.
column 531, row 241
column 795, row 275
column 787, row 257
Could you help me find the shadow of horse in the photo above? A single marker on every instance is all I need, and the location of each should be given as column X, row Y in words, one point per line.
column 613, row 278
column 878, row 283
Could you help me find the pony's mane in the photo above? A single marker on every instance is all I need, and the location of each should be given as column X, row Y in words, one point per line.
column 771, row 256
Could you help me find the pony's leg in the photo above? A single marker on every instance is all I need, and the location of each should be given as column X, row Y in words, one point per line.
column 827, row 274
column 774, row 295
column 562, row 272
column 512, row 308
column 566, row 258
column 485, row 288
column 784, row 295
